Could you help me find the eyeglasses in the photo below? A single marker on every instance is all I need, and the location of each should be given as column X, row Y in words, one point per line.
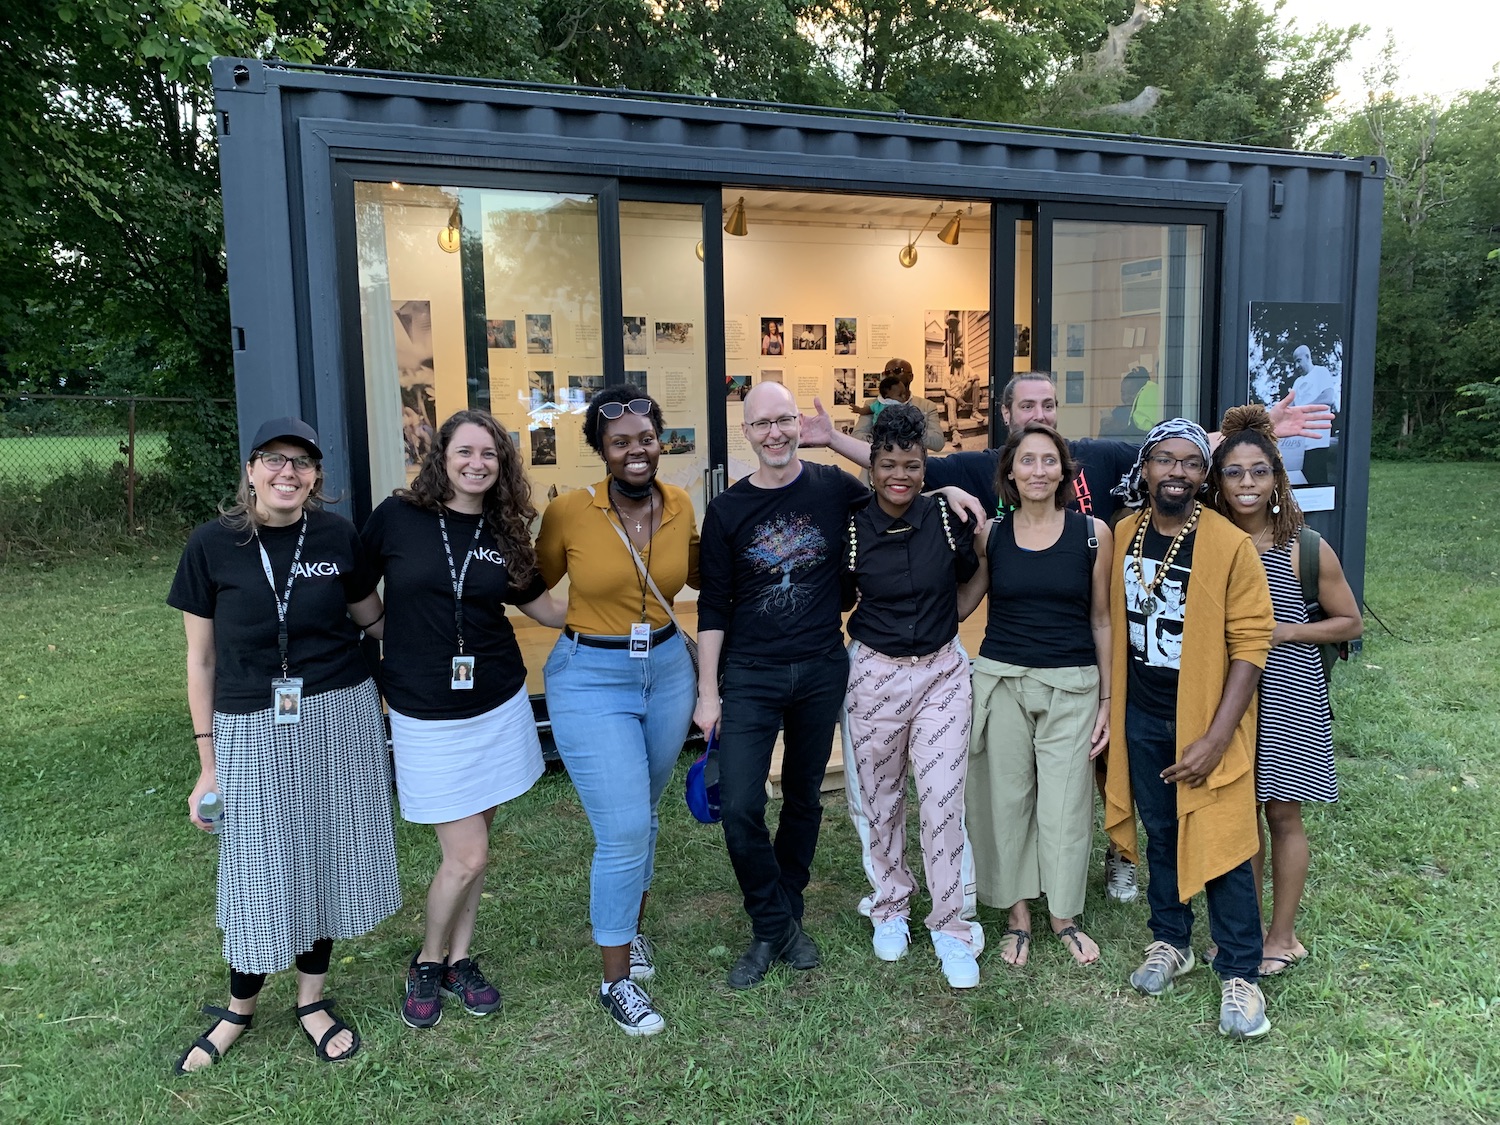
column 1235, row 472
column 762, row 426
column 1189, row 464
column 277, row 461
column 613, row 410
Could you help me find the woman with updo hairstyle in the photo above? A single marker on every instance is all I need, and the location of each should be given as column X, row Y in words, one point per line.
column 621, row 686
column 455, row 550
column 908, row 697
column 1248, row 482
column 1041, row 695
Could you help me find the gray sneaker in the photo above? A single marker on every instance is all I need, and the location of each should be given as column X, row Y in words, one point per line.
column 1163, row 965
column 1242, row 1010
column 1119, row 877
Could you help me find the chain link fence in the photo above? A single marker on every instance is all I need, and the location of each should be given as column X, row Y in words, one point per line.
column 71, row 464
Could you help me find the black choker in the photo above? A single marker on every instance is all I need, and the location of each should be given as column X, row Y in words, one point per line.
column 630, row 491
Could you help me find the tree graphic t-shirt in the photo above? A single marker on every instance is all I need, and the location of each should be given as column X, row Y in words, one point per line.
column 770, row 565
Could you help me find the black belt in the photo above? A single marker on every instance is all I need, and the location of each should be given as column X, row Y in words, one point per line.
column 666, row 632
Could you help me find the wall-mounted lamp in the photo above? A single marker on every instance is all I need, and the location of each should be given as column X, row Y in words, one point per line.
column 450, row 236
column 698, row 250
column 736, row 224
column 949, row 233
column 907, row 255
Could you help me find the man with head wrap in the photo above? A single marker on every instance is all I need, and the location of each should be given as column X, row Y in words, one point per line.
column 1185, row 762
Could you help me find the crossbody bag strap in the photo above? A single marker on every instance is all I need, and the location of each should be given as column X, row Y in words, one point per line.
column 640, row 565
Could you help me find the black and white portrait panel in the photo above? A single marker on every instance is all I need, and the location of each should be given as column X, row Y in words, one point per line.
column 1155, row 618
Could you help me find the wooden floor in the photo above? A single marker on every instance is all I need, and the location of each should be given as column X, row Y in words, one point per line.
column 537, row 640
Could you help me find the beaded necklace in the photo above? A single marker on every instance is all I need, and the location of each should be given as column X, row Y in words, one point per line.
column 942, row 506
column 1147, row 602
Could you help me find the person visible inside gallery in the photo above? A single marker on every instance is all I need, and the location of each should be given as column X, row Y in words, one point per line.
column 932, row 435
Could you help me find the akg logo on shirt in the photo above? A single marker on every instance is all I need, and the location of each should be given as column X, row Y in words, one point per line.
column 484, row 554
column 315, row 570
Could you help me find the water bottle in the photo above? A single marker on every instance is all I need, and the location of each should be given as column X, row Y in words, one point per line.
column 211, row 811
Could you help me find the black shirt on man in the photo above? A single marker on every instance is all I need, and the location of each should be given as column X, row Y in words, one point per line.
column 1155, row 622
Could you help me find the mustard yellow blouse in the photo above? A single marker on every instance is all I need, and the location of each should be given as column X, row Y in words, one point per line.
column 579, row 538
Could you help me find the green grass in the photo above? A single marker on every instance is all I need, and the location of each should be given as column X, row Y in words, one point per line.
column 40, row 459
column 107, row 942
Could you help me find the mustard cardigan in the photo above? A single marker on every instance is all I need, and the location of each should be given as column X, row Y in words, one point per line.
column 1228, row 618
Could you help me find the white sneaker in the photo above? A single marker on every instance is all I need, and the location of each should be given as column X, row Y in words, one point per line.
column 1119, row 877
column 958, row 961
column 866, row 905
column 891, row 939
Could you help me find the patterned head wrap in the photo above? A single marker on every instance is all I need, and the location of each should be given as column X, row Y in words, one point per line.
column 1131, row 488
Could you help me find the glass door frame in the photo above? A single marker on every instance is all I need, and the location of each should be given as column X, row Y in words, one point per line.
column 1045, row 214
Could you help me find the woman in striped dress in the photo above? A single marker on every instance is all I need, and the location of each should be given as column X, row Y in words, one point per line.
column 1294, row 739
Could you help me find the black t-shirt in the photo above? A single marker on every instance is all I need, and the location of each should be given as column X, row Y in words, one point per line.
column 1101, row 464
column 907, row 572
column 405, row 547
column 221, row 577
column 770, row 563
column 1040, row 601
column 1155, row 624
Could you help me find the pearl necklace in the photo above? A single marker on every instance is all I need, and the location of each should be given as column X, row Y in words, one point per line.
column 1147, row 603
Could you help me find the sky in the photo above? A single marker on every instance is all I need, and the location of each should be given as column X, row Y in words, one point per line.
column 1444, row 46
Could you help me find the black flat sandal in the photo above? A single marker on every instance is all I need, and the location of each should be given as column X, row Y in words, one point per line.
column 205, row 1044
column 338, row 1026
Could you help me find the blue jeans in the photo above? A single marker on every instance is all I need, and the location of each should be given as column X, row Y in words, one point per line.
column 802, row 700
column 1233, row 907
column 619, row 724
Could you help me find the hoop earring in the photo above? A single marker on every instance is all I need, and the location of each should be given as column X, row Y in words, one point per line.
column 1275, row 502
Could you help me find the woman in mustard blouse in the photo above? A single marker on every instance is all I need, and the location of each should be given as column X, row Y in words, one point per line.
column 620, row 684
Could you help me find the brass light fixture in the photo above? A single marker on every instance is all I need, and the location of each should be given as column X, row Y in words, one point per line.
column 949, row 233
column 736, row 224
column 907, row 255
column 698, row 250
column 450, row 236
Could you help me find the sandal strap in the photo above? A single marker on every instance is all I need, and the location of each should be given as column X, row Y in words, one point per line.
column 236, row 1018
column 313, row 1009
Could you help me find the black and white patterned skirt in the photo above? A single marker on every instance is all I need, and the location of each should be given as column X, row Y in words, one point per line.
column 307, row 849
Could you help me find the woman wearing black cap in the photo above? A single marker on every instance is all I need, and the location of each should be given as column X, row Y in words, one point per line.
column 287, row 721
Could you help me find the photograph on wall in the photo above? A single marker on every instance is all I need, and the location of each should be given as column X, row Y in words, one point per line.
column 810, row 337
column 1022, row 340
column 637, row 379
column 956, row 364
column 539, row 333
column 1073, row 387
column 736, row 387
column 845, row 425
column 415, row 370
column 1054, row 341
column 845, row 335
column 544, row 446
column 1298, row 348
column 771, row 341
column 515, row 438
column 675, row 336
column 870, row 384
column 541, row 388
column 1075, row 341
column 845, row 380
column 677, row 440
column 771, row 375
column 635, row 335
column 581, row 388
column 500, row 333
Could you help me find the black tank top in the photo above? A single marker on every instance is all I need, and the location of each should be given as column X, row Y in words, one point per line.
column 1040, row 600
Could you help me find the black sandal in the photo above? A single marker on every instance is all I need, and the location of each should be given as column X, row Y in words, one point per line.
column 338, row 1026
column 205, row 1044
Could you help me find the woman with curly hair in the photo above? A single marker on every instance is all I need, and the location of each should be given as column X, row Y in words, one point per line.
column 1294, row 735
column 455, row 549
column 908, row 698
column 621, row 686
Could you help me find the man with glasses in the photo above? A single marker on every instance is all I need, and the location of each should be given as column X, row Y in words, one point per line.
column 1192, row 620
column 769, row 604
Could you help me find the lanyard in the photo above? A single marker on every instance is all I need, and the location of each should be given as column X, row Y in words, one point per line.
column 284, row 599
column 644, row 571
column 457, row 575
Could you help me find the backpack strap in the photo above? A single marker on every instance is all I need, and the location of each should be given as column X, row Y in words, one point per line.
column 1308, row 547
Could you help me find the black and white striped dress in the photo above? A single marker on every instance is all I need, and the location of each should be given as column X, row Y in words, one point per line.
column 307, row 849
column 1294, row 744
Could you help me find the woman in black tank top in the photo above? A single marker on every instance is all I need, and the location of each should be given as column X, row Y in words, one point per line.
column 1041, row 695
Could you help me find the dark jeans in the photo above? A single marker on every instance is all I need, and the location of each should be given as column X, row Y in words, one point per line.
column 1233, row 909
column 802, row 700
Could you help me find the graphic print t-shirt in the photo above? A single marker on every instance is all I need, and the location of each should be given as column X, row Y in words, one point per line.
column 770, row 565
column 1156, row 637
column 421, row 637
column 221, row 577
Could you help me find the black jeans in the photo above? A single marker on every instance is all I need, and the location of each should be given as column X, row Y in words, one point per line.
column 1233, row 906
column 802, row 700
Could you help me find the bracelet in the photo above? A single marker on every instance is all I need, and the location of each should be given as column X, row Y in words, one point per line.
column 205, row 734
column 375, row 622
column 1104, row 698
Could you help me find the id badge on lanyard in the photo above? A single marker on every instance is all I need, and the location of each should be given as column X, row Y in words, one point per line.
column 461, row 671
column 286, row 691
column 640, row 639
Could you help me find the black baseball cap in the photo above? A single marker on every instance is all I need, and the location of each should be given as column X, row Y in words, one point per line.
column 289, row 429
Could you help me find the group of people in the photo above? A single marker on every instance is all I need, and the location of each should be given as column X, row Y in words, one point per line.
column 1076, row 665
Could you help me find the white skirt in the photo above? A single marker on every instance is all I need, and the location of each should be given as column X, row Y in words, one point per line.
column 447, row 769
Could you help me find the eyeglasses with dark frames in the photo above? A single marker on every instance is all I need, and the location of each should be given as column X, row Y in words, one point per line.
column 762, row 426
column 277, row 461
column 1193, row 464
column 613, row 410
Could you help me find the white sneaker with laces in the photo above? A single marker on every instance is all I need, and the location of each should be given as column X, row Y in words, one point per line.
column 1119, row 877
column 891, row 939
column 957, row 959
column 1242, row 1010
column 642, row 958
column 630, row 1008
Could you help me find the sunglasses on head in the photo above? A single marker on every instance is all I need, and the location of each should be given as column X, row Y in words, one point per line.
column 613, row 410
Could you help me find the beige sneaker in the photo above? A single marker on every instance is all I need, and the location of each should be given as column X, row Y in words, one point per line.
column 1242, row 1010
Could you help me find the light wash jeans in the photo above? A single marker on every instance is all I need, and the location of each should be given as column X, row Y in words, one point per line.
column 619, row 724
